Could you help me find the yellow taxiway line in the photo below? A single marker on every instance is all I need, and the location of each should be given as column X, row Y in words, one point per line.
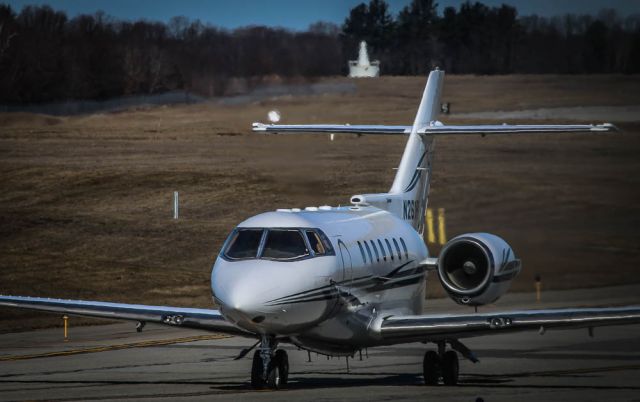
column 144, row 344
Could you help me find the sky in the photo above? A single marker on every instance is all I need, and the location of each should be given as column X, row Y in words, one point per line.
column 295, row 14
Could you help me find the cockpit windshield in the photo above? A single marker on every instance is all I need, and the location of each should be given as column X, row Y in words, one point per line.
column 284, row 245
column 281, row 244
column 244, row 243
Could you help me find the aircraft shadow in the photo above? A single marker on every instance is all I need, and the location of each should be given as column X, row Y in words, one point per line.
column 346, row 380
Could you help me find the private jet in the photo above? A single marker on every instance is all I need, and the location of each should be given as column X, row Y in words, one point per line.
column 337, row 280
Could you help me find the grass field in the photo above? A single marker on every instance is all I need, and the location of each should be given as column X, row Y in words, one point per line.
column 86, row 201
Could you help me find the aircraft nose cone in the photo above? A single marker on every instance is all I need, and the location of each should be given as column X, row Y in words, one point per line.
column 250, row 295
column 243, row 299
column 244, row 303
column 249, row 311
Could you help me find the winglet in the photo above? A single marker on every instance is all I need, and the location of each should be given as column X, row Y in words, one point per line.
column 605, row 127
column 259, row 127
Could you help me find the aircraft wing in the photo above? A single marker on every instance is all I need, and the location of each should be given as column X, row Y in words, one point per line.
column 434, row 128
column 454, row 326
column 206, row 319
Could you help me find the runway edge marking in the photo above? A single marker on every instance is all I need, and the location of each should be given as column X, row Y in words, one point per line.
column 161, row 342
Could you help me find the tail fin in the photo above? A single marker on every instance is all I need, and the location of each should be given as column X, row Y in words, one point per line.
column 414, row 173
column 409, row 192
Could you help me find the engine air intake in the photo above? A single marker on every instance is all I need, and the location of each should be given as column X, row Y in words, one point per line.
column 477, row 268
column 466, row 266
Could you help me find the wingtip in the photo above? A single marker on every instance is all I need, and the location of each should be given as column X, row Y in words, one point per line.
column 612, row 127
column 258, row 126
column 606, row 127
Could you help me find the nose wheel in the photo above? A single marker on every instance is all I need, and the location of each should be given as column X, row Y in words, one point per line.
column 445, row 366
column 282, row 363
column 270, row 367
column 257, row 380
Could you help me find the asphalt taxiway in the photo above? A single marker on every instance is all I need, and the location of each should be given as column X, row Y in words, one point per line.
column 114, row 362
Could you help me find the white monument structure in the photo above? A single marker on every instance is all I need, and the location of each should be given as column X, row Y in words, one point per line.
column 363, row 67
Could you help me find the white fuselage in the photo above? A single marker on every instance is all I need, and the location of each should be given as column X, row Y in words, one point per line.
column 326, row 303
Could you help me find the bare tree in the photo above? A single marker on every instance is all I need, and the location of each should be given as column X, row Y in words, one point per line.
column 5, row 39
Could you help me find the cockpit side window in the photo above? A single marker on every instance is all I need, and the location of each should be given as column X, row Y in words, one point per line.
column 283, row 244
column 244, row 244
column 325, row 240
column 315, row 243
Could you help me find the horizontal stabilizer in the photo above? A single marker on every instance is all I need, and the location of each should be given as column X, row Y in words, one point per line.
column 434, row 128
column 441, row 129
column 330, row 128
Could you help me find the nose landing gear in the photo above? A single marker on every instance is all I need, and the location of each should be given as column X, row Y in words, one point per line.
column 270, row 367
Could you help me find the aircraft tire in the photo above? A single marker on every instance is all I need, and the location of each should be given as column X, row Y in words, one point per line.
column 431, row 368
column 257, row 381
column 450, row 368
column 282, row 360
column 274, row 377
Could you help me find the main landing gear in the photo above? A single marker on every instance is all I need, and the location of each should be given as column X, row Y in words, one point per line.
column 270, row 368
column 443, row 364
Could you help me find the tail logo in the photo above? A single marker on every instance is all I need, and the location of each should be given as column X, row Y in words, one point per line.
column 416, row 175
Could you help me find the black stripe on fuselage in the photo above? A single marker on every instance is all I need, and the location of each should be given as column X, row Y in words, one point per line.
column 391, row 274
column 321, row 289
column 377, row 288
column 364, row 283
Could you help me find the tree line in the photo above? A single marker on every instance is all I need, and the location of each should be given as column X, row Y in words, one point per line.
column 477, row 39
column 47, row 56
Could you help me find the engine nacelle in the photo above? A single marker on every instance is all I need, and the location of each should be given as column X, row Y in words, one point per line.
column 477, row 268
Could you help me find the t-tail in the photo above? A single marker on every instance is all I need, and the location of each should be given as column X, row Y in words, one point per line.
column 409, row 192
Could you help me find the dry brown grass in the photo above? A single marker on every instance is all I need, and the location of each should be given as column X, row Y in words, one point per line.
column 85, row 207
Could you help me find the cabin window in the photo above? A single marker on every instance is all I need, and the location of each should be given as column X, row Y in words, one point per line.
column 362, row 252
column 244, row 244
column 384, row 255
column 315, row 243
column 395, row 243
column 368, row 251
column 283, row 244
column 375, row 250
column 389, row 247
column 404, row 246
column 325, row 241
